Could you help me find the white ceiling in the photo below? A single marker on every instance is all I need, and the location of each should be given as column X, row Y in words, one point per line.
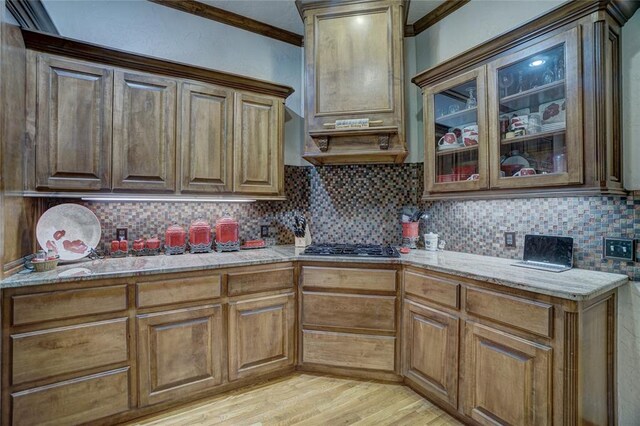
column 284, row 14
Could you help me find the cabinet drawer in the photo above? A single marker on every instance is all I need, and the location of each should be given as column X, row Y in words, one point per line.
column 349, row 350
column 435, row 289
column 349, row 278
column 74, row 401
column 529, row 315
column 349, row 311
column 32, row 308
column 166, row 292
column 280, row 277
column 46, row 353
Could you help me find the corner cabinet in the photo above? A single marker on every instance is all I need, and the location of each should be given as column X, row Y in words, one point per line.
column 533, row 112
column 119, row 123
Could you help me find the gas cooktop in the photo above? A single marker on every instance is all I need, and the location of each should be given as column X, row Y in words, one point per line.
column 361, row 250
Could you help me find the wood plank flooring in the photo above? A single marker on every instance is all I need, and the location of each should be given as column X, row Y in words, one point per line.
column 304, row 399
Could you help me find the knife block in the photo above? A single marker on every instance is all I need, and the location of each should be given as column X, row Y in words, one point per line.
column 304, row 241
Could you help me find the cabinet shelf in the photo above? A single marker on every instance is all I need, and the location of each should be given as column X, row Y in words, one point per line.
column 534, row 91
column 458, row 117
column 525, row 138
column 457, row 150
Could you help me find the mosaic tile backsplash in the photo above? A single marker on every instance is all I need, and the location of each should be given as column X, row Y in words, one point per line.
column 361, row 204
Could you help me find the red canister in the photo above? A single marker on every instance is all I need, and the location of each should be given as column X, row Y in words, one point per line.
column 200, row 233
column 124, row 245
column 115, row 246
column 227, row 234
column 138, row 244
column 153, row 243
column 175, row 237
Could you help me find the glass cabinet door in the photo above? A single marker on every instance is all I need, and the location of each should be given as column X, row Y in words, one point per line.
column 535, row 114
column 456, row 134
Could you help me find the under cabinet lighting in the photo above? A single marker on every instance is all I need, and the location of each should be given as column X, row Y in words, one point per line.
column 169, row 199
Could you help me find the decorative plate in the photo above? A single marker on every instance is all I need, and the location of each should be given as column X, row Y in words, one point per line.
column 70, row 230
column 553, row 112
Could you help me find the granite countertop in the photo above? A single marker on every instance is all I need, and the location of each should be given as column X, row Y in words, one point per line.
column 575, row 284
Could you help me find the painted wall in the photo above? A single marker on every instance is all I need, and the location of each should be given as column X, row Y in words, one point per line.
column 150, row 29
column 630, row 104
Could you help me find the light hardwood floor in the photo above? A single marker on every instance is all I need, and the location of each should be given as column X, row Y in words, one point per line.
column 303, row 399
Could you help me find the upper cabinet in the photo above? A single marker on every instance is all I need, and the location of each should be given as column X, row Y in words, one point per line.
column 355, row 82
column 73, row 124
column 147, row 126
column 258, row 140
column 206, row 138
column 530, row 113
column 144, row 139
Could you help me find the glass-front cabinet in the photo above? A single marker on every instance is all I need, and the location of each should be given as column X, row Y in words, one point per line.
column 456, row 133
column 535, row 121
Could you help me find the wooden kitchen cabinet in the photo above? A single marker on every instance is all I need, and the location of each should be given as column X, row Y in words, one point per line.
column 258, row 145
column 354, row 69
column 455, row 117
column 121, row 123
column 206, row 138
column 507, row 378
column 349, row 320
column 179, row 352
column 261, row 335
column 431, row 345
column 144, row 139
column 552, row 123
column 73, row 123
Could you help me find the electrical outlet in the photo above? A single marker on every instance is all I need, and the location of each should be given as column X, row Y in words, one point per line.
column 122, row 234
column 264, row 231
column 618, row 248
column 509, row 239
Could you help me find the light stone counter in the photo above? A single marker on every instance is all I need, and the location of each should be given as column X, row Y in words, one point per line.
column 576, row 284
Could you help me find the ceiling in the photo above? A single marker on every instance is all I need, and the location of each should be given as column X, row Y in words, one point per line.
column 284, row 14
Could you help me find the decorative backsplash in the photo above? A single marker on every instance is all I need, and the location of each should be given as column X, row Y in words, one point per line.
column 361, row 204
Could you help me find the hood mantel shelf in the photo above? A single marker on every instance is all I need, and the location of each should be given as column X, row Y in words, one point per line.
column 354, row 71
column 333, row 146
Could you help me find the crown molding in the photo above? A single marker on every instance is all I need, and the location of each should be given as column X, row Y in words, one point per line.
column 31, row 14
column 233, row 19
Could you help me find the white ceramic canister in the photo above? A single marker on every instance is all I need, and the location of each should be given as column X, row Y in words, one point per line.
column 431, row 241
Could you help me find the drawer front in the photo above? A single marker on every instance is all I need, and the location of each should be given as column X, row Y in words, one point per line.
column 439, row 290
column 47, row 353
column 349, row 278
column 173, row 291
column 349, row 350
column 74, row 401
column 529, row 315
column 260, row 280
column 349, row 311
column 55, row 305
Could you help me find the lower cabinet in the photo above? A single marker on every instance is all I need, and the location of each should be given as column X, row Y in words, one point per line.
column 430, row 339
column 179, row 352
column 76, row 401
column 507, row 379
column 261, row 335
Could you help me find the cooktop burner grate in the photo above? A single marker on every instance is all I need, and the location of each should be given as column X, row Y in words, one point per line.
column 364, row 250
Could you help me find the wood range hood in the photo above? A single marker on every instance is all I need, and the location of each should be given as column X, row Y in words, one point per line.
column 354, row 105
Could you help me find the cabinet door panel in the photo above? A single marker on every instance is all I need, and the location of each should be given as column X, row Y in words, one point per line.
column 456, row 142
column 258, row 147
column 535, row 115
column 261, row 335
column 431, row 351
column 74, row 125
column 206, row 138
column 144, row 139
column 507, row 378
column 179, row 352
